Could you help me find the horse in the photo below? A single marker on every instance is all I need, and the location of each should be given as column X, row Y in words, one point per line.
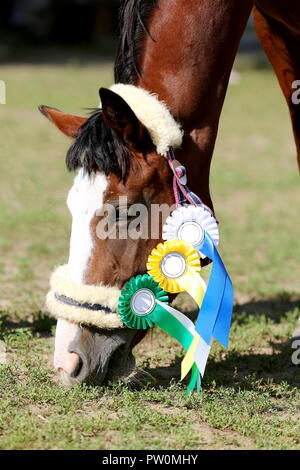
column 183, row 53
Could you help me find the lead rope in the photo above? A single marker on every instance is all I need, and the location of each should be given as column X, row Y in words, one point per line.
column 181, row 191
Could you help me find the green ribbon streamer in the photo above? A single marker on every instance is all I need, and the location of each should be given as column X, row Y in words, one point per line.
column 174, row 327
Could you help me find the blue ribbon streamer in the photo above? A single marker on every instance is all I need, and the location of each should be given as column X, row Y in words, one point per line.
column 214, row 318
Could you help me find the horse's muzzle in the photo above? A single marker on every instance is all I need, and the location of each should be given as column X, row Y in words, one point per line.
column 92, row 356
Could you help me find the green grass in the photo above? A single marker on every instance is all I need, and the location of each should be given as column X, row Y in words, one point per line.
column 250, row 395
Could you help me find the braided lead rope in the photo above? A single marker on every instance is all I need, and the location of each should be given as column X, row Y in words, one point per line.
column 181, row 191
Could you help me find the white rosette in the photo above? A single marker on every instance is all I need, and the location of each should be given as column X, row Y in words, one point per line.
column 188, row 223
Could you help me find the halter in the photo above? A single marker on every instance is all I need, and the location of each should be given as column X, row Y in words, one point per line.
column 191, row 233
column 98, row 305
column 79, row 303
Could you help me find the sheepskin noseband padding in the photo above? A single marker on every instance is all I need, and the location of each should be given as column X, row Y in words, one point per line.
column 80, row 301
column 164, row 131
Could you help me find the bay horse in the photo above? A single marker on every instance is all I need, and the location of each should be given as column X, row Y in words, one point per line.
column 183, row 52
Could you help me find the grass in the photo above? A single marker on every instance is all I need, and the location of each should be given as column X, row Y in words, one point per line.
column 250, row 395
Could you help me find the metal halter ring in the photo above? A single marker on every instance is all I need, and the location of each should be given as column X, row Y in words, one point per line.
column 179, row 172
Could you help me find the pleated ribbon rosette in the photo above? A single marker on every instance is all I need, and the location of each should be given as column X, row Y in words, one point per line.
column 175, row 265
column 188, row 223
column 143, row 304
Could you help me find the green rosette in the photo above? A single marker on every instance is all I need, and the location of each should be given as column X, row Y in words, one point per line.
column 143, row 304
column 138, row 301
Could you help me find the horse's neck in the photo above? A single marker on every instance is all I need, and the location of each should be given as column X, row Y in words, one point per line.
column 188, row 65
column 189, row 62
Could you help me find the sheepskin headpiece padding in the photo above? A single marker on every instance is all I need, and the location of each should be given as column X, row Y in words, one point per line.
column 164, row 131
column 104, row 295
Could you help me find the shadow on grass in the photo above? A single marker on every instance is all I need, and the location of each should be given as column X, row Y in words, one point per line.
column 274, row 308
column 239, row 371
column 41, row 324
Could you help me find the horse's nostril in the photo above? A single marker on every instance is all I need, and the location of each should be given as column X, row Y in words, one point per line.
column 69, row 375
column 69, row 366
column 78, row 368
column 65, row 360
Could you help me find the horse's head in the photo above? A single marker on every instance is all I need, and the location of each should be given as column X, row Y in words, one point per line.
column 122, row 187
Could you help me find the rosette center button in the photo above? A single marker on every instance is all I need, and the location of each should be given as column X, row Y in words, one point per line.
column 142, row 302
column 173, row 265
column 191, row 232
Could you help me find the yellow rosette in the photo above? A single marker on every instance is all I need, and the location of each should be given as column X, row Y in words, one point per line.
column 175, row 266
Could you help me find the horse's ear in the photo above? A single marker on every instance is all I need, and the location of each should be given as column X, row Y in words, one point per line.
column 66, row 123
column 119, row 116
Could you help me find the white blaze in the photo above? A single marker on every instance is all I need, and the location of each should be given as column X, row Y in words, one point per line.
column 84, row 199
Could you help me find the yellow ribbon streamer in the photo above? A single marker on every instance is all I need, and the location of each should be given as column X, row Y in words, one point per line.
column 192, row 287
column 188, row 361
column 193, row 283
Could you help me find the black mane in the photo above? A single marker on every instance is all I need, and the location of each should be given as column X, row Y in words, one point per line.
column 133, row 16
column 97, row 145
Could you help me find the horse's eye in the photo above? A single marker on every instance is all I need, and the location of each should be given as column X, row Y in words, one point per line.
column 121, row 214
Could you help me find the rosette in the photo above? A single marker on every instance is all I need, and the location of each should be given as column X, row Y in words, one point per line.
column 143, row 304
column 175, row 266
column 138, row 300
column 189, row 223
